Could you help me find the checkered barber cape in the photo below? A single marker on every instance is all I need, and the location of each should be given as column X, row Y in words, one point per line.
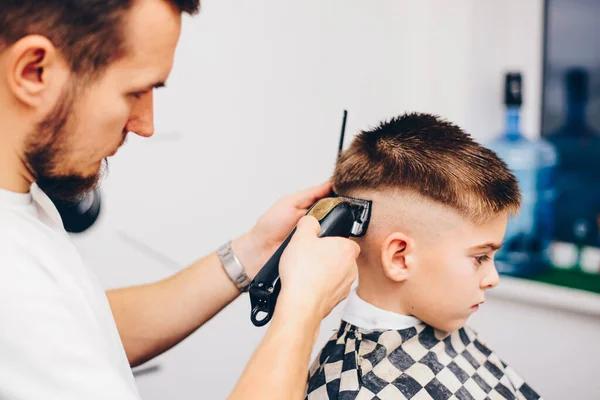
column 413, row 363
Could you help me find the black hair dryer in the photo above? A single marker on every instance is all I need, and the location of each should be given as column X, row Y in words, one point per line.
column 338, row 216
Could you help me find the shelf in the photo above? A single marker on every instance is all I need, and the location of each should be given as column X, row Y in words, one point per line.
column 568, row 291
column 570, row 279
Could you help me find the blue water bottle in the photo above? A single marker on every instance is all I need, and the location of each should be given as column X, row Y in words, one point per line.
column 529, row 234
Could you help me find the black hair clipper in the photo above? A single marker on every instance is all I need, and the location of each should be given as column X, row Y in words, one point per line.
column 338, row 216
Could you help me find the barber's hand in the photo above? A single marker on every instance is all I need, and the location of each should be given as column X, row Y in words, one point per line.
column 316, row 273
column 255, row 247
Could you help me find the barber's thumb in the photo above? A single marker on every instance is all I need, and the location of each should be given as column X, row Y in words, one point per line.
column 355, row 248
column 308, row 225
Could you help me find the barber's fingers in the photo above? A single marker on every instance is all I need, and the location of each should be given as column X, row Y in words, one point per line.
column 354, row 248
column 307, row 197
column 349, row 247
column 343, row 289
column 308, row 226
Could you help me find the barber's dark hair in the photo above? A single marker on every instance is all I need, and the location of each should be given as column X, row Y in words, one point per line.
column 89, row 33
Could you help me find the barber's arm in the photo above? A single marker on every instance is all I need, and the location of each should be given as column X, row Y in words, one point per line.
column 316, row 274
column 153, row 318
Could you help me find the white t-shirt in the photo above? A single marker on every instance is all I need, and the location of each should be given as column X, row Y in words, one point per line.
column 58, row 338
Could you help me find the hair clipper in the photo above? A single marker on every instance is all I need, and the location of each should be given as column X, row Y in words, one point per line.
column 338, row 216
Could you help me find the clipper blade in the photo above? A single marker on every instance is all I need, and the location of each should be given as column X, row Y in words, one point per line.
column 361, row 209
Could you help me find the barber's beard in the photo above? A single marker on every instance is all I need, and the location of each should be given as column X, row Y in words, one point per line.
column 47, row 153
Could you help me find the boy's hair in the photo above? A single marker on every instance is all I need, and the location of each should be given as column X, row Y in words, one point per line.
column 424, row 154
column 89, row 33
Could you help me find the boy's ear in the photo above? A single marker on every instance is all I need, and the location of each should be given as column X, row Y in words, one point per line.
column 395, row 252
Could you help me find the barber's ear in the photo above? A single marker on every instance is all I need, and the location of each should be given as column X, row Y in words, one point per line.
column 395, row 256
column 35, row 73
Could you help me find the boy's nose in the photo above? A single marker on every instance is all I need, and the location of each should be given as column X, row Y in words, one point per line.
column 491, row 278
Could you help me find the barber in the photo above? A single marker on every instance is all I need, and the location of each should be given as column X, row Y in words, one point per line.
column 76, row 76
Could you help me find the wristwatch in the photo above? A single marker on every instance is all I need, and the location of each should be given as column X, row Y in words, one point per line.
column 233, row 267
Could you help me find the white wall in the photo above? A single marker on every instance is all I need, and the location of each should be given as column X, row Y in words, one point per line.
column 253, row 111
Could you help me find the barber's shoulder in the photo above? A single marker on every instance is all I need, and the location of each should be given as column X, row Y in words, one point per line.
column 25, row 249
column 25, row 228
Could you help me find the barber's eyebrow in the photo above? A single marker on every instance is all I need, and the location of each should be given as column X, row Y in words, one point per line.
column 487, row 246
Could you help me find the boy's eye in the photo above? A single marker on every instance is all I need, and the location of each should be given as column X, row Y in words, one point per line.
column 481, row 259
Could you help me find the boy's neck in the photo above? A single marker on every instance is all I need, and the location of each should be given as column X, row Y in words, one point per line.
column 365, row 315
column 380, row 292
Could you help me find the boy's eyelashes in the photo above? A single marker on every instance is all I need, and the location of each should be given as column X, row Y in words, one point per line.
column 481, row 259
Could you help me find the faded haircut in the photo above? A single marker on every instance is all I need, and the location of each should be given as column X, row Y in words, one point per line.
column 424, row 154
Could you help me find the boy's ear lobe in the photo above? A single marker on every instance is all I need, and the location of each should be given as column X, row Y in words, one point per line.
column 394, row 252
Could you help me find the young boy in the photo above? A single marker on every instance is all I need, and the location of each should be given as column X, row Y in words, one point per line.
column 440, row 208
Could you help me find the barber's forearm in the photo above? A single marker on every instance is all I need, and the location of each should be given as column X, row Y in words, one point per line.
column 153, row 318
column 279, row 367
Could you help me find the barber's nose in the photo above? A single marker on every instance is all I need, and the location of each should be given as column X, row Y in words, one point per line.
column 491, row 278
column 141, row 120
